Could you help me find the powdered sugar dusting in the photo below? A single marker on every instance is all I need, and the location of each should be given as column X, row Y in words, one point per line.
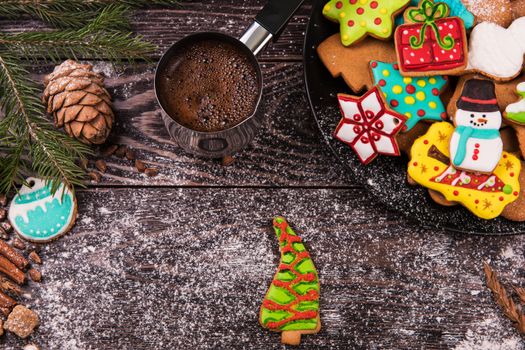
column 174, row 268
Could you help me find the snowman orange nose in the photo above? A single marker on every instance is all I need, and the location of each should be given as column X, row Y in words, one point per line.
column 482, row 120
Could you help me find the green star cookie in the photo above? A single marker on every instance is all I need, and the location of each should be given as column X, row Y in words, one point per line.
column 361, row 17
column 417, row 98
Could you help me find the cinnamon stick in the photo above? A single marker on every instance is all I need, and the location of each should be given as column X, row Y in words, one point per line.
column 6, row 302
column 7, row 286
column 13, row 256
column 11, row 271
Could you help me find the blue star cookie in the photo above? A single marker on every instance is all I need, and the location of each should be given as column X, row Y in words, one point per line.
column 457, row 9
column 417, row 98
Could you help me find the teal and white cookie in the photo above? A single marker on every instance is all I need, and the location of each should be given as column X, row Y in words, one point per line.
column 38, row 216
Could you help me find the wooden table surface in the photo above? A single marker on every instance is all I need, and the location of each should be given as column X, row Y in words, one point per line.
column 183, row 260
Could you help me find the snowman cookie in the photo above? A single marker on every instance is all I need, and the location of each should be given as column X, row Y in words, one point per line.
column 476, row 143
column 39, row 216
column 485, row 195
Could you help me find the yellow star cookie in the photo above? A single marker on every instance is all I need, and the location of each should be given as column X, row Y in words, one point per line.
column 361, row 17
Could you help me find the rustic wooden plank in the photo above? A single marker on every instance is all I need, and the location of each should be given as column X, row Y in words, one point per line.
column 289, row 150
column 164, row 26
column 168, row 269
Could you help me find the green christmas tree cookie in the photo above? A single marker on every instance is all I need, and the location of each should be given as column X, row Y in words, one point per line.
column 291, row 304
column 515, row 112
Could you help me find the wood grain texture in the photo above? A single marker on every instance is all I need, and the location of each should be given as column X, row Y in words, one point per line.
column 164, row 26
column 289, row 150
column 166, row 269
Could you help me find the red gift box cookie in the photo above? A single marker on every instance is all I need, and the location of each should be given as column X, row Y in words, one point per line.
column 433, row 43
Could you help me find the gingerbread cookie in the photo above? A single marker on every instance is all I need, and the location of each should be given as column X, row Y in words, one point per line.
column 485, row 195
column 496, row 11
column 368, row 126
column 457, row 9
column 476, row 143
column 432, row 43
column 416, row 98
column 359, row 18
column 515, row 211
column 405, row 140
column 291, row 304
column 39, row 216
column 352, row 62
column 515, row 112
column 497, row 52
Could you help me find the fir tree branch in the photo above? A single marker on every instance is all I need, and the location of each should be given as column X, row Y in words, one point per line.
column 25, row 130
column 90, row 42
column 70, row 13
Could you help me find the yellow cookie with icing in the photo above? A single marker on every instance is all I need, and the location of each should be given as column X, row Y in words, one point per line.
column 485, row 195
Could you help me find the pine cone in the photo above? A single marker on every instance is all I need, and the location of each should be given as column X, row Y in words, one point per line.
column 78, row 101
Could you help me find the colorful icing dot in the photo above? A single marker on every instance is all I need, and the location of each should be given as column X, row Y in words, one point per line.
column 344, row 36
column 353, row 2
column 363, row 23
column 350, row 24
column 397, row 89
column 410, row 96
column 377, row 21
column 363, row 2
column 342, row 15
column 360, row 11
column 339, row 4
column 435, row 92
column 507, row 189
column 501, row 199
column 476, row 201
column 425, row 142
column 409, row 100
column 432, row 81
column 456, row 193
column 327, row 8
column 383, row 11
column 374, row 4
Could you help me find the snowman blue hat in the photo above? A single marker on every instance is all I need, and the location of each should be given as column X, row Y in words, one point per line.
column 478, row 95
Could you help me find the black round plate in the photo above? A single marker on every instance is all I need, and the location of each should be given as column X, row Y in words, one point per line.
column 385, row 177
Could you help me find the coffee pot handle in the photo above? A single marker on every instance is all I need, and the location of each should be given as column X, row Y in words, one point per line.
column 269, row 23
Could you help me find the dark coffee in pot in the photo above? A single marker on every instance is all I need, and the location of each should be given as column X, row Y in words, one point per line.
column 209, row 85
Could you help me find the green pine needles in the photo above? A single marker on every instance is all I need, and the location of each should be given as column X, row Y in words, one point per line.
column 83, row 29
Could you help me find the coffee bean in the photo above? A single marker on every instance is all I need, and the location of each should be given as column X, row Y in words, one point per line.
column 121, row 151
column 35, row 275
column 95, row 176
column 101, row 165
column 35, row 257
column 141, row 167
column 130, row 155
column 108, row 151
column 227, row 161
column 151, row 172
